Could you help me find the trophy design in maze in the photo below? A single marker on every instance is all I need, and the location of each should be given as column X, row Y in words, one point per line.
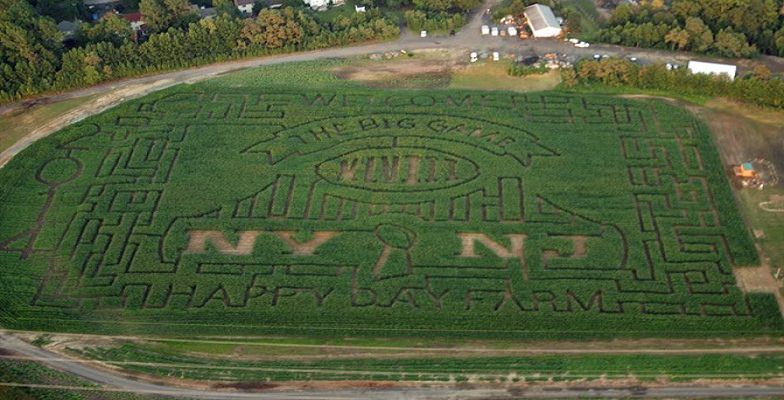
column 431, row 205
column 307, row 205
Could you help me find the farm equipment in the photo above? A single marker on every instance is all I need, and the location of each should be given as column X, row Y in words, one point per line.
column 747, row 175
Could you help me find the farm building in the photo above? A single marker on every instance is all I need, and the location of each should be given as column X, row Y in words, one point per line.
column 245, row 6
column 699, row 67
column 542, row 21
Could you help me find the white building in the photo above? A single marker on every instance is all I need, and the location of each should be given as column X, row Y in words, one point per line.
column 323, row 4
column 699, row 67
column 245, row 6
column 542, row 21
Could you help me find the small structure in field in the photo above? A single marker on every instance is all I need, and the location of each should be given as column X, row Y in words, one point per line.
column 542, row 21
column 757, row 173
column 699, row 67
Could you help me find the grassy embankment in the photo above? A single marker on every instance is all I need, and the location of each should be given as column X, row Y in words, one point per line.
column 164, row 360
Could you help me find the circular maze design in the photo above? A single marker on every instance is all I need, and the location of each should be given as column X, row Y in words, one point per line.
column 377, row 212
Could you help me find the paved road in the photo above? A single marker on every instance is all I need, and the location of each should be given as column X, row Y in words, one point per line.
column 466, row 40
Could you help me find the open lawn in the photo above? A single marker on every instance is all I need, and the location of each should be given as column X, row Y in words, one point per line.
column 493, row 76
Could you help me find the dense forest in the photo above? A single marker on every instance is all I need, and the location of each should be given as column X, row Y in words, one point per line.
column 730, row 28
column 757, row 87
column 33, row 58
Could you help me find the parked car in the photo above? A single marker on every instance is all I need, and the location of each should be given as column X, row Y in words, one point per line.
column 485, row 30
column 474, row 57
column 423, row 34
column 512, row 31
column 582, row 45
column 494, row 31
column 496, row 56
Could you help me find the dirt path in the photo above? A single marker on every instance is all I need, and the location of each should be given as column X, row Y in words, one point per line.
column 120, row 91
column 467, row 39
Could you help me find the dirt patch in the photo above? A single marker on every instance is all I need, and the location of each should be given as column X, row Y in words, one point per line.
column 197, row 243
column 426, row 74
column 760, row 280
column 742, row 139
column 309, row 247
column 245, row 386
column 756, row 280
column 93, row 107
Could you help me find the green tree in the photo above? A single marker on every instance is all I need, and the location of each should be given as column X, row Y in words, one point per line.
column 160, row 15
column 181, row 12
column 272, row 29
column 732, row 44
column 700, row 35
column 226, row 7
column 110, row 28
column 678, row 38
column 155, row 15
column 433, row 5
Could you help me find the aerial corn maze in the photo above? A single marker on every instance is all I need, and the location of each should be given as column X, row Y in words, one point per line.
column 377, row 213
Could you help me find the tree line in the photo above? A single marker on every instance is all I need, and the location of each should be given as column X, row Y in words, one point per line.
column 430, row 15
column 729, row 28
column 758, row 87
column 33, row 58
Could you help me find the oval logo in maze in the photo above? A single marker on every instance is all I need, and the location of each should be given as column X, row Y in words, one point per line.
column 398, row 169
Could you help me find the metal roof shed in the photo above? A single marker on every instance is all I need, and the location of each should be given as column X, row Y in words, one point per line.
column 542, row 21
column 699, row 67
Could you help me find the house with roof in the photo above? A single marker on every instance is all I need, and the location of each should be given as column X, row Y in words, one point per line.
column 245, row 6
column 542, row 21
column 208, row 12
column 136, row 20
column 68, row 29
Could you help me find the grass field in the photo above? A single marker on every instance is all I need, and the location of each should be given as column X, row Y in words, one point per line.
column 22, row 372
column 284, row 201
column 644, row 368
column 494, row 76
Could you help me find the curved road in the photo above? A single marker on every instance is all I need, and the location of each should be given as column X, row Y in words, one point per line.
column 468, row 39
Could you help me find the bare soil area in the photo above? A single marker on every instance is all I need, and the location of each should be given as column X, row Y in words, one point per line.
column 399, row 74
column 745, row 136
